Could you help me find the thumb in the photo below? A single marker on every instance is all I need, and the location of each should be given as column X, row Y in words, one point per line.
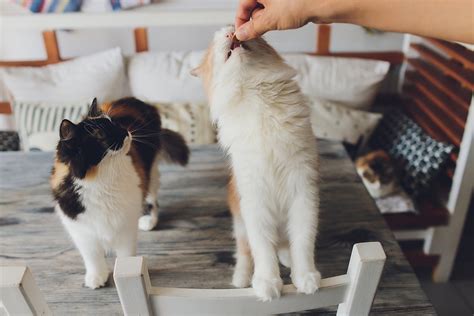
column 251, row 29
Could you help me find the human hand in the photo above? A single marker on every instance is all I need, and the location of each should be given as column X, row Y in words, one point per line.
column 256, row 17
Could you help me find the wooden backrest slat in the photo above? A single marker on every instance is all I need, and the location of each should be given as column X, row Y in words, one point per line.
column 449, row 67
column 442, row 82
column 441, row 101
column 453, row 135
column 458, row 52
column 141, row 39
column 418, row 116
column 5, row 108
column 51, row 45
column 324, row 39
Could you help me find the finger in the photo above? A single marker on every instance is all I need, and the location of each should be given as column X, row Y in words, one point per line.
column 244, row 11
column 253, row 28
column 257, row 12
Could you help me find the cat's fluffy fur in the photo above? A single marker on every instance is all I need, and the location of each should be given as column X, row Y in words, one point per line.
column 104, row 174
column 263, row 124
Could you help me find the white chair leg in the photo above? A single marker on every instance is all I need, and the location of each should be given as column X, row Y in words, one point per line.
column 133, row 284
column 19, row 293
column 365, row 268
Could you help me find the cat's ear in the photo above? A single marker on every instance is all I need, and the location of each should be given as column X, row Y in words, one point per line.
column 196, row 72
column 94, row 110
column 67, row 130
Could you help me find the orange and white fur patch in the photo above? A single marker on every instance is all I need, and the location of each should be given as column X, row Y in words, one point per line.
column 264, row 125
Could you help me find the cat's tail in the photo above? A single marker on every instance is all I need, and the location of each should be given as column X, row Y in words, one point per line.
column 173, row 147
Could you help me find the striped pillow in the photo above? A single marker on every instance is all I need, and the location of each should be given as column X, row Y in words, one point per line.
column 38, row 123
column 50, row 6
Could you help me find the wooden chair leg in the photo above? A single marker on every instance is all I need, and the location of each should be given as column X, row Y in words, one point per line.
column 133, row 285
column 19, row 293
column 365, row 268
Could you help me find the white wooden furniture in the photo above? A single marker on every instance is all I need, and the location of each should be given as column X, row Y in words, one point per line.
column 354, row 291
column 440, row 88
column 19, row 294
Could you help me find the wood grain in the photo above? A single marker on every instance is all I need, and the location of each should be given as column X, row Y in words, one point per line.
column 141, row 39
column 324, row 39
column 51, row 45
column 192, row 245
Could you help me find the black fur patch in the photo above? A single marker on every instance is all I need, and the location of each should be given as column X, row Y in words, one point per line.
column 146, row 129
column 174, row 147
column 68, row 198
column 83, row 146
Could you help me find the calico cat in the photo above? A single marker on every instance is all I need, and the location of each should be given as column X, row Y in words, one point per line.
column 264, row 125
column 105, row 172
column 377, row 173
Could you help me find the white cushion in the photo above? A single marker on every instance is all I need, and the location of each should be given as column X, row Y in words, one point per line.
column 38, row 122
column 336, row 122
column 101, row 75
column 192, row 120
column 165, row 77
column 3, row 88
column 349, row 81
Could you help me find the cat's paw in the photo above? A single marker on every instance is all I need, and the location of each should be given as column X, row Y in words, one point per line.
column 147, row 222
column 96, row 280
column 267, row 289
column 241, row 278
column 308, row 282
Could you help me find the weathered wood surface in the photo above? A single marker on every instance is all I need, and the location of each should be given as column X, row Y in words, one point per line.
column 192, row 245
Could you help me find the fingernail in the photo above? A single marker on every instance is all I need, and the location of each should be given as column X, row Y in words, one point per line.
column 242, row 33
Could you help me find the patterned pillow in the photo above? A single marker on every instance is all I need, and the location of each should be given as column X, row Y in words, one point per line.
column 419, row 158
column 38, row 123
column 9, row 141
column 50, row 6
column 192, row 120
column 338, row 122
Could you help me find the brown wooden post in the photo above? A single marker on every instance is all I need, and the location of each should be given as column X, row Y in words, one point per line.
column 51, row 46
column 324, row 39
column 141, row 39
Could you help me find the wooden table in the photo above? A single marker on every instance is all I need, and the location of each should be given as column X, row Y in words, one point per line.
column 192, row 245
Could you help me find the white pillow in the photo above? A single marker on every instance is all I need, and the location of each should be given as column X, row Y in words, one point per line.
column 165, row 77
column 3, row 88
column 38, row 122
column 352, row 82
column 101, row 75
column 337, row 122
column 192, row 120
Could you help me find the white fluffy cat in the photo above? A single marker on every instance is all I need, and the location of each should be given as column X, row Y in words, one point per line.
column 264, row 125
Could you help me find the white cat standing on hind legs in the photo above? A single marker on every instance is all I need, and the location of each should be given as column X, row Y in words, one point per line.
column 263, row 123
